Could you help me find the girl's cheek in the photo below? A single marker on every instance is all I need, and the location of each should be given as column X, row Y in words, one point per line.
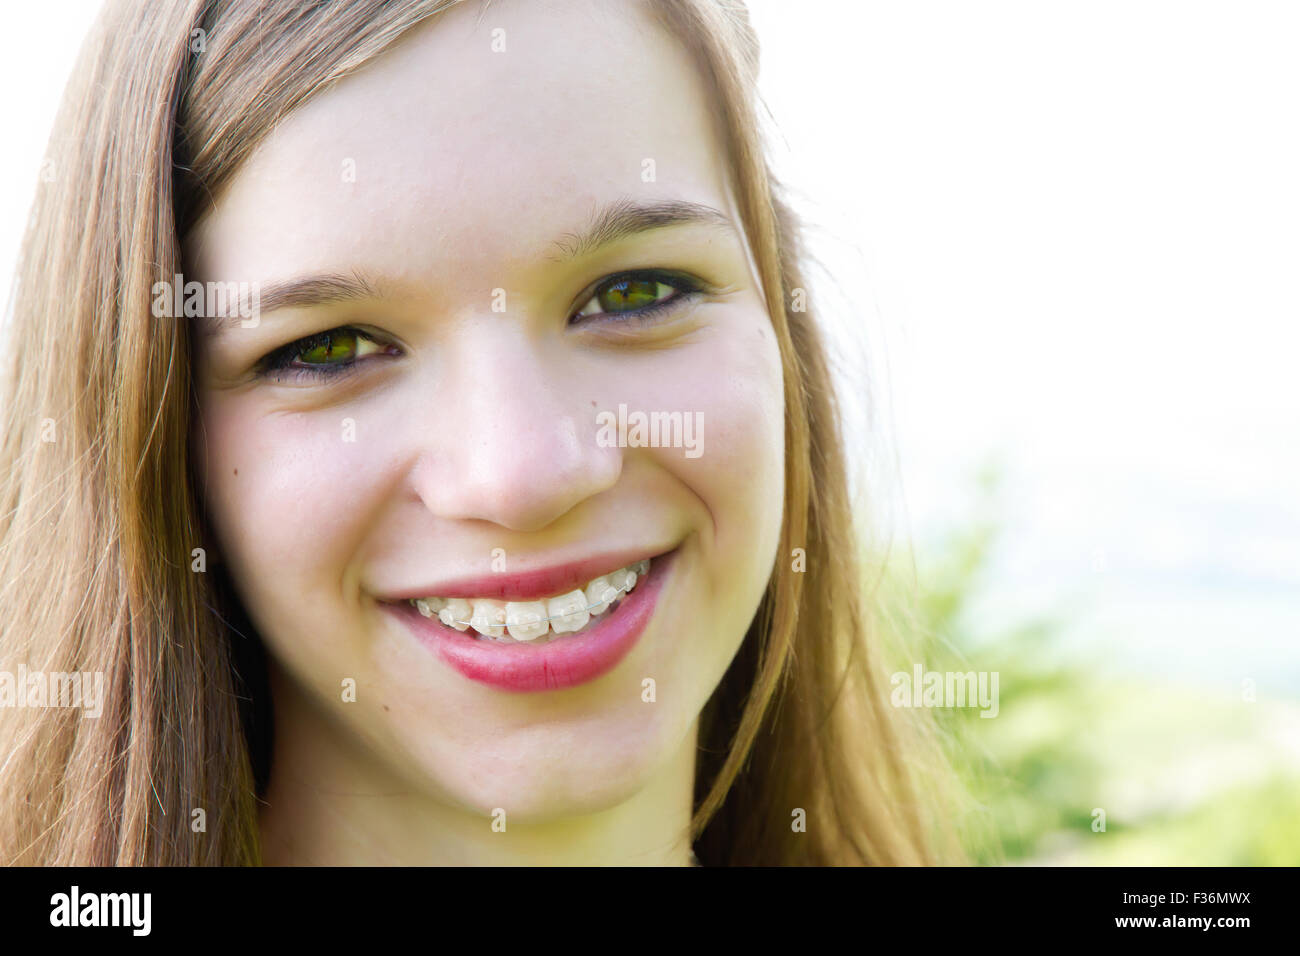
column 734, row 387
column 284, row 487
column 732, row 392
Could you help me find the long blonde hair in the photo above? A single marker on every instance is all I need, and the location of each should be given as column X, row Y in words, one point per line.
column 99, row 516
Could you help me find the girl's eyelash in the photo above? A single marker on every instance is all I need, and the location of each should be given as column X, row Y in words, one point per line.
column 686, row 287
column 279, row 364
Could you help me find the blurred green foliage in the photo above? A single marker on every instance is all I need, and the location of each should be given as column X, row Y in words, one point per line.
column 1183, row 777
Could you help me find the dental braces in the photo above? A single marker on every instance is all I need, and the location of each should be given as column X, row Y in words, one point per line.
column 617, row 593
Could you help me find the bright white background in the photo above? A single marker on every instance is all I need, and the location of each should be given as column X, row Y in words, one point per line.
column 1069, row 236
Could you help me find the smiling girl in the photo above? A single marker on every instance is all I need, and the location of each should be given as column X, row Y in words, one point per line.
column 366, row 582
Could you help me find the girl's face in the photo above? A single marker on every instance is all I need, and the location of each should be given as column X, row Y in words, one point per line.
column 518, row 230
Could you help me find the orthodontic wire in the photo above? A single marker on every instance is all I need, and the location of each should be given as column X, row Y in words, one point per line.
column 548, row 619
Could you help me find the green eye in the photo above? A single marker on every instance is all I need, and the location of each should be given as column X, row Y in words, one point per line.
column 324, row 353
column 628, row 294
column 637, row 294
column 336, row 348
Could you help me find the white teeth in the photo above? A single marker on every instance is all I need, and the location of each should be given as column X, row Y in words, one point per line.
column 526, row 620
column 600, row 593
column 489, row 617
column 532, row 621
column 430, row 607
column 456, row 613
column 568, row 612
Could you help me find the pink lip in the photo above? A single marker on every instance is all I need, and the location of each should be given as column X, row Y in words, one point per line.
column 526, row 585
column 564, row 662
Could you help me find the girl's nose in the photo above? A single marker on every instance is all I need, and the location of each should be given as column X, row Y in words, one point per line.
column 510, row 434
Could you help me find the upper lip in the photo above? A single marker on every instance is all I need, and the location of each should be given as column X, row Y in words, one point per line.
column 521, row 585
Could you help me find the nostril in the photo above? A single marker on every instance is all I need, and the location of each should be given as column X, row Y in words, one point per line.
column 519, row 474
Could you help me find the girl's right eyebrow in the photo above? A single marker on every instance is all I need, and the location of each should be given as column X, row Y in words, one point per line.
column 304, row 291
column 319, row 290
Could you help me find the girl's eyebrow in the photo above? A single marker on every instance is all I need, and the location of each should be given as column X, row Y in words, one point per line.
column 618, row 220
column 625, row 218
column 303, row 292
column 319, row 290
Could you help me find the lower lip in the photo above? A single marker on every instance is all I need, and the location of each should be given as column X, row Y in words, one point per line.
column 563, row 662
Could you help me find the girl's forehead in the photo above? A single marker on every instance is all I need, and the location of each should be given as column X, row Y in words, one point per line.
column 478, row 131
